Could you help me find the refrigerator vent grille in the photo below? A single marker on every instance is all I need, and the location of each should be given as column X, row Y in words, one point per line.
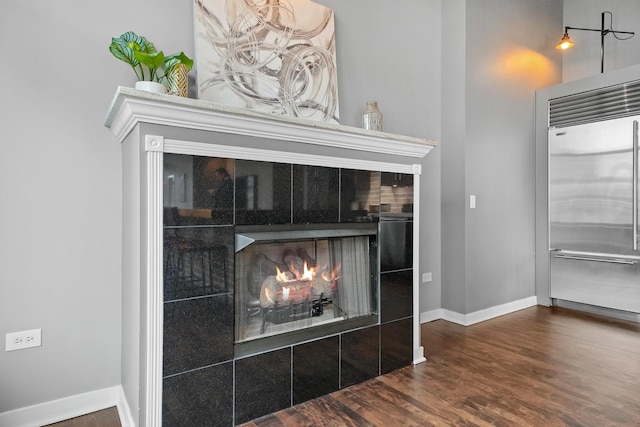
column 596, row 105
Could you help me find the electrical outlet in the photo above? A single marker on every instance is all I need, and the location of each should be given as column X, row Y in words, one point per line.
column 23, row 339
column 426, row 277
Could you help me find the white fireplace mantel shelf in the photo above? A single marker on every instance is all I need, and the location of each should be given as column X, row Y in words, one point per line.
column 131, row 107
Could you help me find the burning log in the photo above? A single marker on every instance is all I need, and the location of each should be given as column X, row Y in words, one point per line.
column 322, row 287
column 275, row 292
column 297, row 279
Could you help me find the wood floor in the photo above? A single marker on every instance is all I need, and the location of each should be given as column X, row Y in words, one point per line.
column 535, row 367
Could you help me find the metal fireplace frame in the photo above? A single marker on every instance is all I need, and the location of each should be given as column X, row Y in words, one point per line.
column 249, row 234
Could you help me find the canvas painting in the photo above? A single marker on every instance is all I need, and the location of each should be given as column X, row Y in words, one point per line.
column 272, row 56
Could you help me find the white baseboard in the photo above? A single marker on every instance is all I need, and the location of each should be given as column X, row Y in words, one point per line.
column 430, row 316
column 69, row 407
column 126, row 419
column 480, row 315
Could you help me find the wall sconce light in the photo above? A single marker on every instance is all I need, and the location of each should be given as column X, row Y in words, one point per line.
column 567, row 43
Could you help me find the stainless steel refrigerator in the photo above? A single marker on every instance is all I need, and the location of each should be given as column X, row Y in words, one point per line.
column 593, row 214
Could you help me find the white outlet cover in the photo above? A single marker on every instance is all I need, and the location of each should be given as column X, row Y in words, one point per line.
column 23, row 339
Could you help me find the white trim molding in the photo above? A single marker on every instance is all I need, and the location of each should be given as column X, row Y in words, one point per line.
column 154, row 301
column 131, row 107
column 418, row 350
column 193, row 148
column 70, row 407
column 480, row 315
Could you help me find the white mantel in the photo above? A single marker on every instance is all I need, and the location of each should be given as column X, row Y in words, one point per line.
column 130, row 107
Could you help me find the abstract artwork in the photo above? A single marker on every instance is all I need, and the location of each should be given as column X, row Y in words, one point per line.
column 272, row 56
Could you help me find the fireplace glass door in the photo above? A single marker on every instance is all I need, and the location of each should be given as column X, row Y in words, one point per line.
column 292, row 280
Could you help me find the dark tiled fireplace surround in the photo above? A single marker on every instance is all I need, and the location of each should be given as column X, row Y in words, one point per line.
column 179, row 310
column 210, row 381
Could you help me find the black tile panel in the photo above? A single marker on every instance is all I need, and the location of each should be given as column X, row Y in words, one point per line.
column 396, row 245
column 360, row 356
column 197, row 261
column 263, row 192
column 359, row 195
column 198, row 190
column 316, row 194
column 197, row 332
column 263, row 384
column 396, row 295
column 203, row 397
column 396, row 345
column 316, row 369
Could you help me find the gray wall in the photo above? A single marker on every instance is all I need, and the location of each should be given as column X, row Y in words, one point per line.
column 453, row 149
column 392, row 56
column 488, row 147
column 60, row 191
column 60, row 175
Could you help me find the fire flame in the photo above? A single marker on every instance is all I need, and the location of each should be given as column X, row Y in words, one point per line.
column 332, row 276
column 282, row 277
column 308, row 274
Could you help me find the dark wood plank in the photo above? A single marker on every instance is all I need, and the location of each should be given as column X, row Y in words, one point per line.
column 104, row 418
column 267, row 421
column 539, row 366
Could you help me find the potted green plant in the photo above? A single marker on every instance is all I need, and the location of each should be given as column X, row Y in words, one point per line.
column 149, row 64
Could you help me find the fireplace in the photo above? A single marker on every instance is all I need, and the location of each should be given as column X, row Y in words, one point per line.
column 295, row 283
column 183, row 360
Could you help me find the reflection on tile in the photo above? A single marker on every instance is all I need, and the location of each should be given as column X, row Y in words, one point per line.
column 316, row 193
column 396, row 195
column 360, row 359
column 197, row 261
column 396, row 180
column 396, row 295
column 359, row 195
column 198, row 190
column 396, row 345
column 316, row 369
column 263, row 384
column 396, row 245
column 263, row 193
column 197, row 332
column 199, row 398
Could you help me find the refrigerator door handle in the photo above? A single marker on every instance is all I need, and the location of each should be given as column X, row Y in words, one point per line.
column 585, row 258
column 635, row 185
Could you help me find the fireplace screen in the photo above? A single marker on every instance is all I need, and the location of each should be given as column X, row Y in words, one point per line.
column 289, row 280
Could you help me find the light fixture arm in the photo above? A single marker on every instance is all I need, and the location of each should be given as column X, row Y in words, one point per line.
column 603, row 32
